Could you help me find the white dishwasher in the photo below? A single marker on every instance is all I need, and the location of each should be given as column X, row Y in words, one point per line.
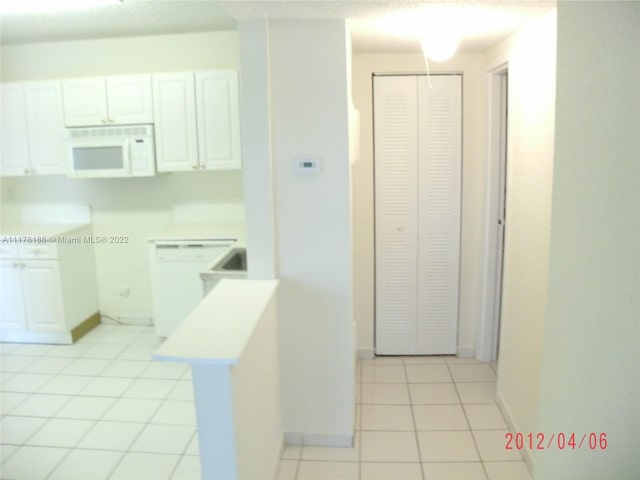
column 175, row 277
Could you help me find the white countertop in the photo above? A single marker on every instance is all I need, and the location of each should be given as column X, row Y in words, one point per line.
column 218, row 330
column 199, row 231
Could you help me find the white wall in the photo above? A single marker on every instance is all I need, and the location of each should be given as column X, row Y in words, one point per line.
column 473, row 175
column 124, row 55
column 531, row 57
column 590, row 378
column 256, row 149
column 256, row 401
column 135, row 207
column 309, row 65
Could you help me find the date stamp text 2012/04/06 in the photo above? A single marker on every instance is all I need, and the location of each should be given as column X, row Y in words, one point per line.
column 560, row 441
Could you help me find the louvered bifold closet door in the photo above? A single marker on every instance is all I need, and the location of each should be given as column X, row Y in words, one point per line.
column 396, row 220
column 417, row 213
column 439, row 174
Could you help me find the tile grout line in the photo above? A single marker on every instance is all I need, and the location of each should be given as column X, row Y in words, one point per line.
column 413, row 418
column 464, row 412
column 145, row 425
column 124, row 453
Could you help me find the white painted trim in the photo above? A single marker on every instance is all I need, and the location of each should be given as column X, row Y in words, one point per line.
column 513, row 428
column 366, row 353
column 320, row 439
column 487, row 335
column 54, row 338
column 466, row 352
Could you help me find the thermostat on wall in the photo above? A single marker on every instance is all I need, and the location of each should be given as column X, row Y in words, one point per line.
column 306, row 166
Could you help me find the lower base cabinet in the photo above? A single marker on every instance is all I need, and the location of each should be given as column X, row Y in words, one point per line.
column 49, row 293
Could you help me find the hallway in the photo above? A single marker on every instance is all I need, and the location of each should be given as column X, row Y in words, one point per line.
column 418, row 418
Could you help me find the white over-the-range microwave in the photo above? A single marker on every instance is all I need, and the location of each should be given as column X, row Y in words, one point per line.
column 110, row 151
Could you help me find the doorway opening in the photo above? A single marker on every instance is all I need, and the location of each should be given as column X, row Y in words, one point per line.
column 488, row 340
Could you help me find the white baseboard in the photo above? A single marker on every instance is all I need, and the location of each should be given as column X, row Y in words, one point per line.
column 466, row 352
column 366, row 354
column 319, row 439
column 54, row 338
column 462, row 352
column 513, row 427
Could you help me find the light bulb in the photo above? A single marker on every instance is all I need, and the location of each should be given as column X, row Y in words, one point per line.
column 438, row 44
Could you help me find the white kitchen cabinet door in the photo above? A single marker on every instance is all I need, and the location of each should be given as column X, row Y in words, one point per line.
column 118, row 100
column 129, row 99
column 45, row 126
column 174, row 106
column 85, row 102
column 15, row 141
column 12, row 311
column 418, row 125
column 218, row 108
column 32, row 129
column 43, row 296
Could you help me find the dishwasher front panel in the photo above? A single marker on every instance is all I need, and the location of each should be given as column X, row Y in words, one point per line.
column 176, row 283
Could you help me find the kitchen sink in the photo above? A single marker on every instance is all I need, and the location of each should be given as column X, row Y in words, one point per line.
column 235, row 260
column 232, row 265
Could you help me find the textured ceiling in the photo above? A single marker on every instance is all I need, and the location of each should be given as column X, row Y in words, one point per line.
column 129, row 18
column 481, row 24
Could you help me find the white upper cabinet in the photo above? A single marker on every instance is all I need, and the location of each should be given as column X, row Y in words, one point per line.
column 174, row 106
column 32, row 129
column 15, row 143
column 85, row 102
column 197, row 121
column 45, row 125
column 117, row 100
column 218, row 119
column 129, row 99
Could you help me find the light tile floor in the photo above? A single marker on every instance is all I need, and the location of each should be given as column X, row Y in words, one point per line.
column 101, row 409
column 98, row 409
column 418, row 418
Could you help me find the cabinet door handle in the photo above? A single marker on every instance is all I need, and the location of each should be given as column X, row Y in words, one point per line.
column 194, row 165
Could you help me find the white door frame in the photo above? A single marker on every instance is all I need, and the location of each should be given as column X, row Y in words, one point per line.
column 489, row 326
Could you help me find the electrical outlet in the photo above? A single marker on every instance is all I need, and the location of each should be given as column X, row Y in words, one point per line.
column 124, row 292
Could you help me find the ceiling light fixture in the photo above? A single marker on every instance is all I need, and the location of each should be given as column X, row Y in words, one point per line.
column 438, row 44
column 37, row 6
